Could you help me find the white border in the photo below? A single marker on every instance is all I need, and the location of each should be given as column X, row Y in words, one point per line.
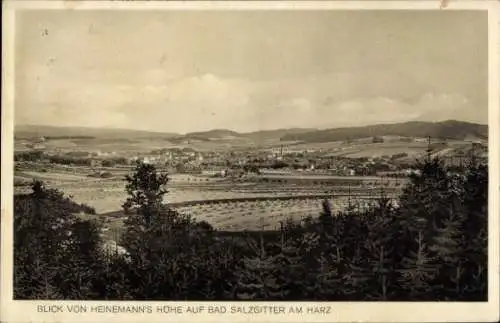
column 25, row 311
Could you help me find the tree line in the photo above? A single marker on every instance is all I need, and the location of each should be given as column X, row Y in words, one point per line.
column 79, row 159
column 429, row 245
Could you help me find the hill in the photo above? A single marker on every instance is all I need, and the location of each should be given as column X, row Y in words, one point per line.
column 55, row 132
column 276, row 134
column 450, row 129
column 220, row 134
column 213, row 134
column 446, row 130
column 204, row 136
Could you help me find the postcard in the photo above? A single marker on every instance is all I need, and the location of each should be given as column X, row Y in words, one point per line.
column 241, row 161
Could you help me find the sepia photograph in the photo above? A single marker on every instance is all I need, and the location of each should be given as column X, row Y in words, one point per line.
column 253, row 155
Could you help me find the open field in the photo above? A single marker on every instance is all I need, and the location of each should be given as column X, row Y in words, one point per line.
column 244, row 215
column 261, row 215
column 143, row 145
column 108, row 194
column 361, row 147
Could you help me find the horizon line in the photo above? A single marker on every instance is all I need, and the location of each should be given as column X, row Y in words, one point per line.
column 243, row 132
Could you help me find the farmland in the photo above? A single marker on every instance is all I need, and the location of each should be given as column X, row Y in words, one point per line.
column 234, row 215
column 236, row 211
column 108, row 194
column 287, row 171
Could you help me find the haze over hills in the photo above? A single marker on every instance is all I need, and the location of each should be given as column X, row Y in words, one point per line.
column 450, row 129
column 215, row 133
column 278, row 133
column 255, row 135
column 30, row 131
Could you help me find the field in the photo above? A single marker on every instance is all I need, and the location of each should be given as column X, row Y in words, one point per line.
column 243, row 216
column 391, row 146
column 262, row 215
column 356, row 148
column 107, row 195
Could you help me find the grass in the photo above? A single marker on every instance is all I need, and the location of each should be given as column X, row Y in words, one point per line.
column 254, row 215
column 107, row 195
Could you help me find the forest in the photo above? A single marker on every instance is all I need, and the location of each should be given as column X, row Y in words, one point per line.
column 429, row 245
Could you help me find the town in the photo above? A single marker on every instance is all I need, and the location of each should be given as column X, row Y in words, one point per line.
column 244, row 161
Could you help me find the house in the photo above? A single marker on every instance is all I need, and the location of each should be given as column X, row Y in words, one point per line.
column 210, row 172
column 280, row 151
column 412, row 171
column 95, row 163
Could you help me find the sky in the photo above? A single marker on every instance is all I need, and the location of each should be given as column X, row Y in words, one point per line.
column 184, row 71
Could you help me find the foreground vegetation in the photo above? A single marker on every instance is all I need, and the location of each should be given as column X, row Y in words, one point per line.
column 431, row 246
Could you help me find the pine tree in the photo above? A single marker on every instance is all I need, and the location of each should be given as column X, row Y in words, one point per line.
column 83, row 261
column 327, row 210
column 113, row 283
column 417, row 272
column 426, row 205
column 145, row 189
column 380, row 247
column 257, row 276
column 426, row 196
column 323, row 283
column 170, row 252
column 475, row 230
column 448, row 249
column 298, row 265
column 42, row 221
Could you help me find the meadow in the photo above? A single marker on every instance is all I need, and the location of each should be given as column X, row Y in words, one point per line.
column 106, row 196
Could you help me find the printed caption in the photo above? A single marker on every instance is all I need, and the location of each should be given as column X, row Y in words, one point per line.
column 188, row 309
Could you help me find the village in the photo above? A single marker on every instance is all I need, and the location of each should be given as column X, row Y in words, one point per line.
column 276, row 159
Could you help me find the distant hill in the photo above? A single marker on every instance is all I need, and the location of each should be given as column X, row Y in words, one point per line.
column 447, row 130
column 450, row 129
column 276, row 134
column 210, row 135
column 53, row 132
column 215, row 134
column 183, row 138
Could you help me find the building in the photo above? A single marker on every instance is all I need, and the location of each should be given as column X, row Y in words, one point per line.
column 280, row 151
column 95, row 163
column 39, row 146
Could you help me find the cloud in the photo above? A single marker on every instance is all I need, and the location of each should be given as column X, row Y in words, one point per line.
column 302, row 112
column 248, row 70
column 208, row 90
column 372, row 110
column 160, row 101
column 188, row 104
